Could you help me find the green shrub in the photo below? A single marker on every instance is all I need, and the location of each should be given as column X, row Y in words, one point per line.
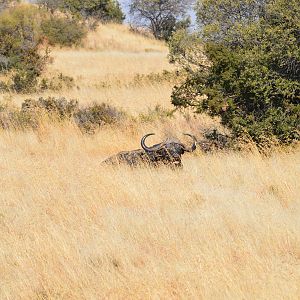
column 101, row 10
column 215, row 140
column 63, row 31
column 92, row 117
column 251, row 77
column 19, row 47
column 98, row 10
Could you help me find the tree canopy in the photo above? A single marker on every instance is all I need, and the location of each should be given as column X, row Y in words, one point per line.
column 101, row 10
column 162, row 17
column 251, row 74
column 20, row 40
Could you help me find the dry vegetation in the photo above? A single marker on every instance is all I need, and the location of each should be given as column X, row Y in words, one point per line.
column 116, row 37
column 225, row 227
column 109, row 74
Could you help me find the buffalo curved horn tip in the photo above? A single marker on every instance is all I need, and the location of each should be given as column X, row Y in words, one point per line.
column 194, row 146
column 143, row 142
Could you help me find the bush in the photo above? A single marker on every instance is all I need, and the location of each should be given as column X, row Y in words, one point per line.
column 91, row 118
column 59, row 108
column 56, row 83
column 13, row 118
column 252, row 80
column 33, row 112
column 19, row 47
column 215, row 140
column 101, row 10
column 63, row 31
column 98, row 10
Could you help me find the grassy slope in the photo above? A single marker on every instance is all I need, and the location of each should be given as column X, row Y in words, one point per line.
column 106, row 67
column 226, row 226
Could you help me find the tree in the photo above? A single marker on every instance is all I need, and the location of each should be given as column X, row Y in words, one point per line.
column 162, row 17
column 251, row 74
column 221, row 19
column 20, row 41
column 100, row 10
column 59, row 30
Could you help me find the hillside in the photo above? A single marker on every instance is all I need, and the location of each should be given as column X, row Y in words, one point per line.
column 108, row 68
column 226, row 226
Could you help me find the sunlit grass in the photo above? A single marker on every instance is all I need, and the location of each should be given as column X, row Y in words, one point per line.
column 226, row 226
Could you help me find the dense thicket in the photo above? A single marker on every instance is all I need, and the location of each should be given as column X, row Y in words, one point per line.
column 244, row 66
column 99, row 10
column 19, row 46
column 59, row 30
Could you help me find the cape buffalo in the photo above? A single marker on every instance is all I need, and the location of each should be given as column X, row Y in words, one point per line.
column 168, row 153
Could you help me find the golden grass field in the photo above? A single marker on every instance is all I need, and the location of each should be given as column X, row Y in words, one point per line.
column 226, row 226
column 107, row 74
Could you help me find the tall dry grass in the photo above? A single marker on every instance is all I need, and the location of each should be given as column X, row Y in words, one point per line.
column 226, row 226
column 92, row 67
column 106, row 72
column 115, row 37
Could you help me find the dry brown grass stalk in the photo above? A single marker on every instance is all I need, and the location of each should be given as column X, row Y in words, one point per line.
column 226, row 226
